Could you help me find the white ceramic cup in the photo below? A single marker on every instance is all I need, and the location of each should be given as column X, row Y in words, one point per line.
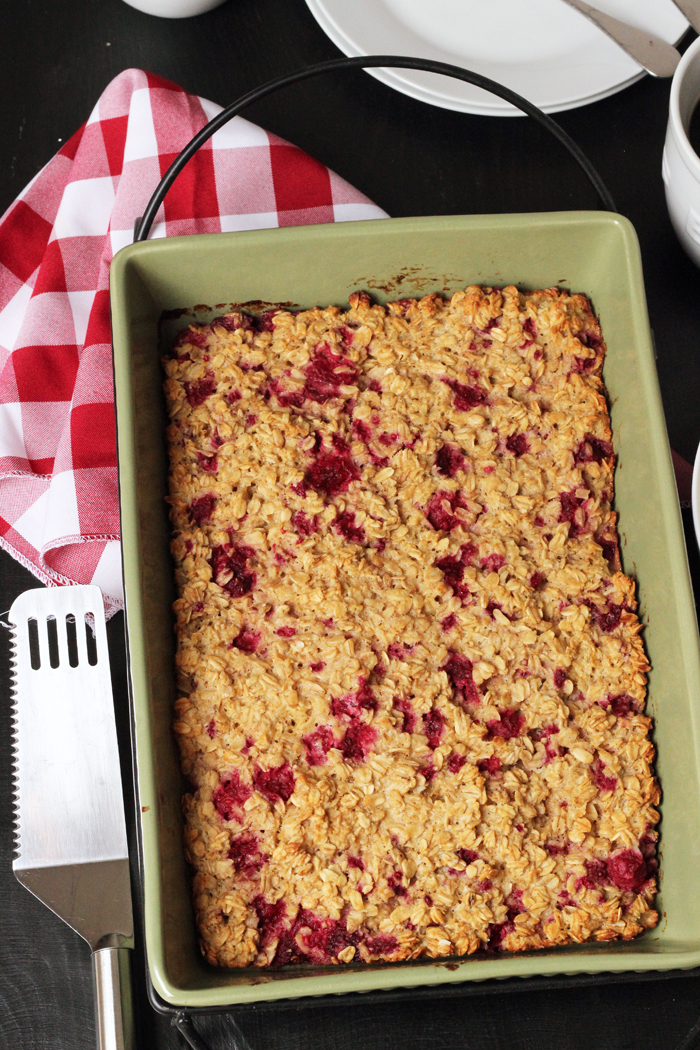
column 681, row 164
column 174, row 8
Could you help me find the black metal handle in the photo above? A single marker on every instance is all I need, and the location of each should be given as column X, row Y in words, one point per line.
column 234, row 1036
column 143, row 225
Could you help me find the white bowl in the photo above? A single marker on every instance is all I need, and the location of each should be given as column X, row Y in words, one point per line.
column 174, row 8
column 681, row 164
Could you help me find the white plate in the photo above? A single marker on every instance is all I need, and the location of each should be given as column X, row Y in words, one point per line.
column 542, row 49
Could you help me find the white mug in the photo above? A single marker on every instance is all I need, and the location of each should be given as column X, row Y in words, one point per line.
column 681, row 164
column 174, row 8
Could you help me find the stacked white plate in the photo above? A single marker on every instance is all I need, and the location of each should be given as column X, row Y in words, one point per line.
column 543, row 49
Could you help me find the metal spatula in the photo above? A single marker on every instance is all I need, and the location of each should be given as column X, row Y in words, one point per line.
column 71, row 835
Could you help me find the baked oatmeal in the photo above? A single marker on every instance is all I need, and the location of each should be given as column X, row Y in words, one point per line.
column 410, row 670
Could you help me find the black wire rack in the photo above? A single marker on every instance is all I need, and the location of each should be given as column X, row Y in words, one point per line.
column 145, row 222
column 182, row 1018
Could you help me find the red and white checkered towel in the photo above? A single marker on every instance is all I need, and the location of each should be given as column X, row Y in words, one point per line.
column 59, row 510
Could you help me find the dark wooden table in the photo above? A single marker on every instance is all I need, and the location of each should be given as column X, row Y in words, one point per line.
column 412, row 159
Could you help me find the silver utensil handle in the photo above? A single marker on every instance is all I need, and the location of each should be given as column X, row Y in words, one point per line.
column 655, row 55
column 691, row 10
column 113, row 1013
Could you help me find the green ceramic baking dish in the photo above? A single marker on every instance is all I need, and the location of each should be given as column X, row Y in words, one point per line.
column 591, row 252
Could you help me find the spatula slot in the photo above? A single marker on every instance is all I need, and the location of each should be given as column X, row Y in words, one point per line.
column 34, row 652
column 90, row 639
column 52, row 632
column 72, row 639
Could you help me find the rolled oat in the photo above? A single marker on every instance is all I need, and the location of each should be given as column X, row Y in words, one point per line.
column 410, row 670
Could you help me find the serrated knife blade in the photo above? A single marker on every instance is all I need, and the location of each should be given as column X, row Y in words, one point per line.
column 72, row 850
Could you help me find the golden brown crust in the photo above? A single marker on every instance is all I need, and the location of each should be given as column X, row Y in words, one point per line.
column 410, row 669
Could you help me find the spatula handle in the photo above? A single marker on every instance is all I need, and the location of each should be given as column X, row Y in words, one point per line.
column 113, row 1013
